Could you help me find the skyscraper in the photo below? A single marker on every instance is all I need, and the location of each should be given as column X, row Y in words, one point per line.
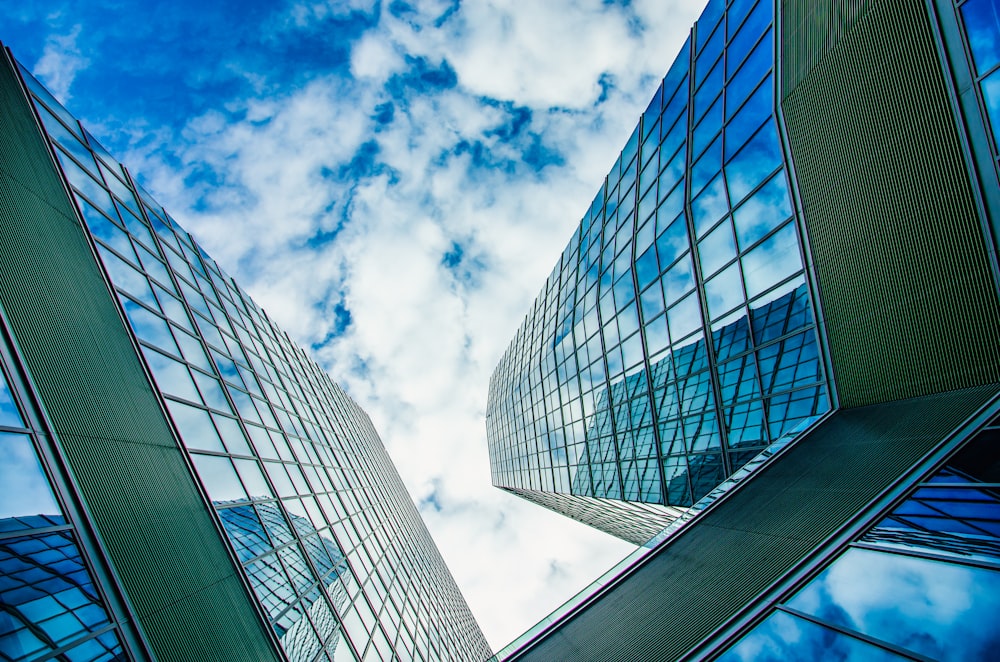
column 179, row 479
column 791, row 268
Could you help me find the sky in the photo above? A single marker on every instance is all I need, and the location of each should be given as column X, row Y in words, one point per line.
column 392, row 182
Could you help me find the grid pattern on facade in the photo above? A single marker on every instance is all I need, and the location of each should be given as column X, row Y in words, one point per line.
column 326, row 534
column 980, row 24
column 922, row 583
column 49, row 602
column 675, row 338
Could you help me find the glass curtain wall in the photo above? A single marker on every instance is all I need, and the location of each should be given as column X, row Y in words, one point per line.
column 675, row 338
column 339, row 560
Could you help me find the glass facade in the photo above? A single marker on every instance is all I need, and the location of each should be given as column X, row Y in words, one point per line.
column 676, row 338
column 922, row 583
column 980, row 26
column 330, row 542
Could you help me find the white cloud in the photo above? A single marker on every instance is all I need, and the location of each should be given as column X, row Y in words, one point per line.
column 258, row 192
column 60, row 62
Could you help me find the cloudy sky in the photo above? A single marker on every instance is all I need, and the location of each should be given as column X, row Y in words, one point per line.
column 392, row 182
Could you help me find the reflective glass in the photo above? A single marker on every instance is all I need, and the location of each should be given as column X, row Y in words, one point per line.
column 219, row 478
column 26, row 490
column 717, row 249
column 991, row 96
column 944, row 611
column 9, row 414
column 764, row 210
column 785, row 637
column 772, row 261
column 46, row 597
column 724, row 291
column 982, row 25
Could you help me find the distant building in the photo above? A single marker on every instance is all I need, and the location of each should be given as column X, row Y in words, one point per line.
column 178, row 480
column 793, row 264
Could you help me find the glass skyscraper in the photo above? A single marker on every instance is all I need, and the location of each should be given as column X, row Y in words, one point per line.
column 793, row 268
column 676, row 337
column 179, row 479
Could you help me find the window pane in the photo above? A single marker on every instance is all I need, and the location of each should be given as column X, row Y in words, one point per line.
column 945, row 611
column 26, row 492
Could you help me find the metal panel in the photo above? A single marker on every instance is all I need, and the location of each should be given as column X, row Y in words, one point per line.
column 716, row 568
column 896, row 238
column 153, row 522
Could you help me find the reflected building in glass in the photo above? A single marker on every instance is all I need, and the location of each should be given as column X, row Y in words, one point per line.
column 770, row 354
column 178, row 480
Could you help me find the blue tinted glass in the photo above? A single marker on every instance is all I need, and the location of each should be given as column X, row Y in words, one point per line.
column 716, row 249
column 684, row 318
column 710, row 206
column 772, row 261
column 751, row 72
column 751, row 30
column 678, row 280
column 731, row 335
column 764, row 210
column 757, row 109
column 9, row 414
column 712, row 86
column 26, row 490
column 745, row 425
column 707, row 129
column 991, row 96
column 982, row 24
column 754, row 162
column 785, row 637
column 708, row 20
column 46, row 595
column 245, row 531
column 944, row 611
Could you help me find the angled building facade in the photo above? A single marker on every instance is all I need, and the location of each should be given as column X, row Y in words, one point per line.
column 676, row 337
column 868, row 527
column 180, row 481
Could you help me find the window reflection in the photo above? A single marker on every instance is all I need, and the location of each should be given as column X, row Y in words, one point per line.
column 942, row 610
column 26, row 491
column 785, row 637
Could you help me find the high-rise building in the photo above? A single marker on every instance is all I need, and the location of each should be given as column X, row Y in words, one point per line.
column 179, row 480
column 778, row 324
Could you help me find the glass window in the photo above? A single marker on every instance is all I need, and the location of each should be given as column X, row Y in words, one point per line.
column 752, row 70
column 26, row 490
column 195, row 427
column 785, row 637
column 757, row 109
column 767, row 208
column 684, row 317
column 754, row 162
column 724, row 291
column 9, row 414
column 945, row 611
column 772, row 261
column 678, row 280
column 982, row 24
column 710, row 206
column 717, row 249
column 219, row 478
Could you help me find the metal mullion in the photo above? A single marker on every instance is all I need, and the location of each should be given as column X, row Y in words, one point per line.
column 650, row 389
column 927, row 554
column 706, row 328
column 854, row 634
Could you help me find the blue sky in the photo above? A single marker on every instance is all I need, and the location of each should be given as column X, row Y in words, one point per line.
column 392, row 182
